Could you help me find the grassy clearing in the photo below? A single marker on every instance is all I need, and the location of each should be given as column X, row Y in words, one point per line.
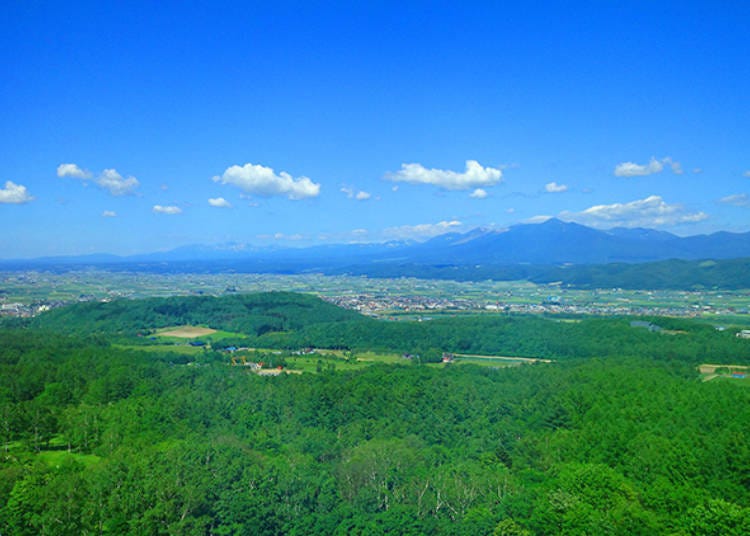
column 500, row 359
column 181, row 349
column 326, row 359
column 219, row 335
column 492, row 363
column 340, row 360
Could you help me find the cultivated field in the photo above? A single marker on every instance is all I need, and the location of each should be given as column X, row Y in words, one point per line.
column 186, row 332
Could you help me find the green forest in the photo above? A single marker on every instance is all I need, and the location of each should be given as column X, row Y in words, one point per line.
column 676, row 274
column 103, row 431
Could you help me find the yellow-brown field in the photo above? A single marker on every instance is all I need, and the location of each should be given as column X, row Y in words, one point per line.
column 187, row 332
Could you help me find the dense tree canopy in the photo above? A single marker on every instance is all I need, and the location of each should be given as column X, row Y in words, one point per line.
column 100, row 439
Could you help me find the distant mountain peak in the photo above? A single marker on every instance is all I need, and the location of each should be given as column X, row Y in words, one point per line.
column 550, row 242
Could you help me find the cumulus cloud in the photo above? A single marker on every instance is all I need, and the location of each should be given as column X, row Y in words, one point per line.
column 474, row 176
column 109, row 214
column 423, row 230
column 115, row 184
column 359, row 195
column 261, row 180
column 14, row 194
column 72, row 170
column 219, row 202
column 652, row 211
column 737, row 200
column 281, row 237
column 553, row 187
column 479, row 193
column 109, row 179
column 631, row 169
column 168, row 209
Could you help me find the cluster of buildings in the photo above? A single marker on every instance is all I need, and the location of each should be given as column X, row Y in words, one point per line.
column 383, row 305
column 25, row 310
column 375, row 305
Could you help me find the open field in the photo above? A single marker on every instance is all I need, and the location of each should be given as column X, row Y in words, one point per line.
column 502, row 358
column 186, row 332
column 336, row 359
column 324, row 359
column 180, row 349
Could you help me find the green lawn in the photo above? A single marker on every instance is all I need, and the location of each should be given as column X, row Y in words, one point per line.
column 181, row 349
column 338, row 359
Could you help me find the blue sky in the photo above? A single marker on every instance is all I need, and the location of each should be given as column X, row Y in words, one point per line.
column 130, row 127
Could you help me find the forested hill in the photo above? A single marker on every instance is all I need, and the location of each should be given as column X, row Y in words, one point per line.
column 105, row 440
column 250, row 314
column 730, row 274
column 293, row 321
column 618, row 436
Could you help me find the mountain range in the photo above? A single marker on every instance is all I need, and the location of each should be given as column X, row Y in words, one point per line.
column 553, row 242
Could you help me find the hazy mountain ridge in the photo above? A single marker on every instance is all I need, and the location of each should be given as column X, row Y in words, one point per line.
column 551, row 242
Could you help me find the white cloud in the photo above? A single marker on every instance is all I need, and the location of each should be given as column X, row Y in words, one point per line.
column 479, row 193
column 113, row 182
column 109, row 214
column 423, row 230
column 281, row 237
column 109, row 179
column 676, row 166
column 72, row 170
column 553, row 187
column 359, row 195
column 631, row 169
column 475, row 176
column 697, row 170
column 14, row 194
column 746, row 173
column 652, row 211
column 738, row 200
column 169, row 209
column 261, row 180
column 219, row 202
